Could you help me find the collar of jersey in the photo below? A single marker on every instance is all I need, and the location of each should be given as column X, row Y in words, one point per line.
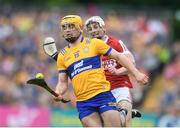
column 105, row 38
column 82, row 39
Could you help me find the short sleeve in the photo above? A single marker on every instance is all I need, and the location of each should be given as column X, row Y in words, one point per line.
column 101, row 47
column 60, row 64
column 122, row 47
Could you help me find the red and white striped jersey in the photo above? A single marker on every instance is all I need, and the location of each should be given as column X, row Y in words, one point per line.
column 121, row 80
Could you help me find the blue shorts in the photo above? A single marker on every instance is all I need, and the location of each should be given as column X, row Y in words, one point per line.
column 98, row 103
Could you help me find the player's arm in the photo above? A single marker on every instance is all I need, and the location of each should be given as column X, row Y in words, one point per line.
column 125, row 62
column 118, row 72
column 61, row 86
column 122, row 70
column 103, row 49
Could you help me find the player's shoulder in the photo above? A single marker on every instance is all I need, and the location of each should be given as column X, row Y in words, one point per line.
column 61, row 54
column 63, row 51
column 115, row 41
column 96, row 40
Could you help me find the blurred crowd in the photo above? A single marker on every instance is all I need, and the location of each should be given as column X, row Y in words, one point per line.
column 21, row 56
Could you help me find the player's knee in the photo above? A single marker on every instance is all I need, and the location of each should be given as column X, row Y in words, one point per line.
column 126, row 105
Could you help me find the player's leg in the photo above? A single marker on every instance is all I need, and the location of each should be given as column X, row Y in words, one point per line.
column 110, row 114
column 93, row 120
column 88, row 112
column 124, row 104
column 123, row 99
column 111, row 118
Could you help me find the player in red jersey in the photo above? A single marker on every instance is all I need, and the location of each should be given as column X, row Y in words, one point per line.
column 115, row 73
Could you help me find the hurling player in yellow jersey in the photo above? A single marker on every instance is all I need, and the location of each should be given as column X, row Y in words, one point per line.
column 80, row 60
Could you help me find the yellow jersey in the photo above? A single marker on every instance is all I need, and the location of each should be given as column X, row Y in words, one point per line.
column 82, row 64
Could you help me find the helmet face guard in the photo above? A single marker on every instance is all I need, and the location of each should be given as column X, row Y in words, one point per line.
column 97, row 19
column 71, row 27
column 95, row 27
column 70, row 32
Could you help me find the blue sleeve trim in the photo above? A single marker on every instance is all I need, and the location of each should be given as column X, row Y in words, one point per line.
column 62, row 71
column 107, row 53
